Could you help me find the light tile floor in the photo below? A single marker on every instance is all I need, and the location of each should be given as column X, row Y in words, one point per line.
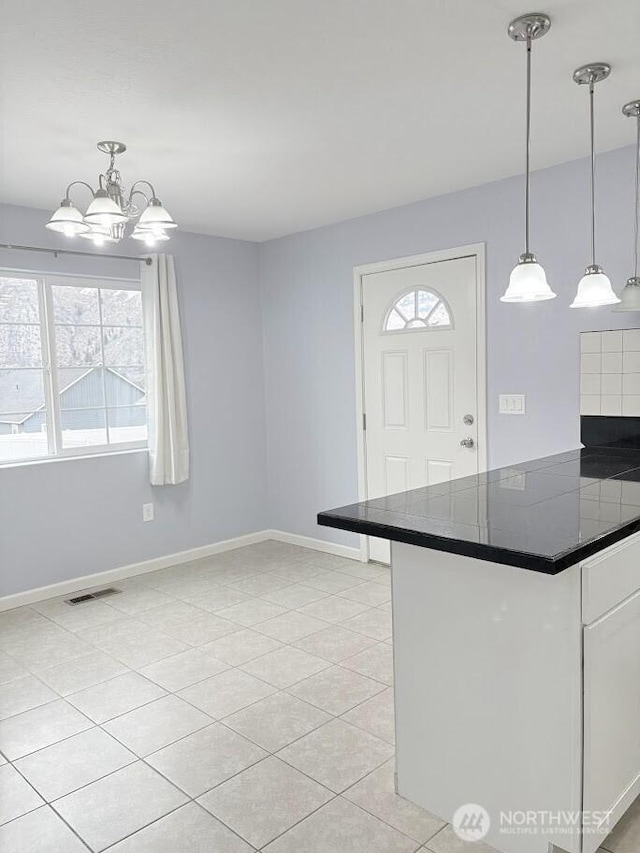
column 234, row 704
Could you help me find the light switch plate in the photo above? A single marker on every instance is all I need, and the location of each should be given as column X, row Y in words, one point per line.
column 147, row 512
column 512, row 404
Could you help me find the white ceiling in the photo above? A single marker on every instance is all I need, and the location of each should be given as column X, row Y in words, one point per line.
column 258, row 118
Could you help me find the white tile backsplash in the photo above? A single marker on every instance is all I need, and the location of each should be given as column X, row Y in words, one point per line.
column 631, row 362
column 631, row 383
column 591, row 383
column 611, row 383
column 611, row 404
column 612, row 362
column 591, row 342
column 610, row 373
column 630, row 340
column 631, row 405
column 591, row 362
column 612, row 341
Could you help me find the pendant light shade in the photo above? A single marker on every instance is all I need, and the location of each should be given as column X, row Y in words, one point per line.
column 67, row 219
column 103, row 211
column 630, row 293
column 528, row 280
column 527, row 283
column 594, row 288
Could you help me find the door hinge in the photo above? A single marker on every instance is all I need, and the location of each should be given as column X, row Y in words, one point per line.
column 362, row 313
column 364, row 421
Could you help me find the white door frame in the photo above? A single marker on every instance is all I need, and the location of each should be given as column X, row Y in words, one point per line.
column 476, row 250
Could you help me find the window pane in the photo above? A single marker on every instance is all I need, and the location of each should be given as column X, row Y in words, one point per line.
column 440, row 317
column 19, row 300
column 122, row 388
column 83, row 427
column 121, row 307
column 136, row 375
column 394, row 321
column 78, row 346
column 127, row 424
column 407, row 305
column 20, row 346
column 75, row 305
column 22, row 436
column 123, row 346
column 81, row 388
column 21, row 390
column 426, row 301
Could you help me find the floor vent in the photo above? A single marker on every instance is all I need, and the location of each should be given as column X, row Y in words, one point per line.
column 91, row 596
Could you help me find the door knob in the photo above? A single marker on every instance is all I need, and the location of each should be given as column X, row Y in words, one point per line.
column 467, row 442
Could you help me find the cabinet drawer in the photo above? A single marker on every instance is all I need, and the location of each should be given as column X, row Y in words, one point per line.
column 610, row 577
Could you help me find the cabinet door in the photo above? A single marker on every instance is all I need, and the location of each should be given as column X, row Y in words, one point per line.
column 612, row 712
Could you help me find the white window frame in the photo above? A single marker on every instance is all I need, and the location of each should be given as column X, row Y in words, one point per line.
column 49, row 363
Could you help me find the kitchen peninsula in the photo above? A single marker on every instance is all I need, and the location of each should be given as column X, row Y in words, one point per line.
column 516, row 612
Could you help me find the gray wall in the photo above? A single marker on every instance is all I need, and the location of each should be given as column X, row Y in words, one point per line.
column 63, row 519
column 307, row 298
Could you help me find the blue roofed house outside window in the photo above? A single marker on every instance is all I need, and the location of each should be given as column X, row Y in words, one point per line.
column 72, row 377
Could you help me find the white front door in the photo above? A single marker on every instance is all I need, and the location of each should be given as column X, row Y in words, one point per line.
column 420, row 377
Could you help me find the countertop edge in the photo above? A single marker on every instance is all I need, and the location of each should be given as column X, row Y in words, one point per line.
column 480, row 550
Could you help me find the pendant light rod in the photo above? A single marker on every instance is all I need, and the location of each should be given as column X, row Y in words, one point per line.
column 632, row 110
column 526, row 28
column 593, row 172
column 589, row 75
column 528, row 154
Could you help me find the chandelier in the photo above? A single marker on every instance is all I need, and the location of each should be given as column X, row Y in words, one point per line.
column 112, row 208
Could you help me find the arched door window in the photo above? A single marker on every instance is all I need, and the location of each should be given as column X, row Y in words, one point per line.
column 418, row 309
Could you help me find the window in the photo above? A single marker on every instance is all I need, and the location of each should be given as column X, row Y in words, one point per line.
column 418, row 309
column 72, row 377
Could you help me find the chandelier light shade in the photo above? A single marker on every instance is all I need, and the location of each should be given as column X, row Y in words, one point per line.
column 68, row 220
column 104, row 211
column 155, row 216
column 594, row 288
column 630, row 293
column 148, row 236
column 112, row 208
column 528, row 280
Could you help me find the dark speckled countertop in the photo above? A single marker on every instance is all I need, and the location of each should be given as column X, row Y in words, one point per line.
column 544, row 515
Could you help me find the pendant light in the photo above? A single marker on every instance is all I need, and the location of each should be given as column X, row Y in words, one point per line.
column 630, row 293
column 594, row 288
column 528, row 281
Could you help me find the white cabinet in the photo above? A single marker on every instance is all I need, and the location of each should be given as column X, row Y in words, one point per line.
column 612, row 712
column 519, row 691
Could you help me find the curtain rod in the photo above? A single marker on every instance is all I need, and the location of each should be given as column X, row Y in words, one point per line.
column 57, row 252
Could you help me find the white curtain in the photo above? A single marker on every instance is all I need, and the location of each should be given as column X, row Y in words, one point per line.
column 166, row 396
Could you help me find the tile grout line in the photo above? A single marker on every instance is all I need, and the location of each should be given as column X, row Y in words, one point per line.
column 139, row 617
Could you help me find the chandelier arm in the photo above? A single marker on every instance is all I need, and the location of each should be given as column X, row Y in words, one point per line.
column 82, row 183
column 138, row 192
column 148, row 183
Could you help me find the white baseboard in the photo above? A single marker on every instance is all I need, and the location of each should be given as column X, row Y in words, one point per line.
column 317, row 544
column 73, row 585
